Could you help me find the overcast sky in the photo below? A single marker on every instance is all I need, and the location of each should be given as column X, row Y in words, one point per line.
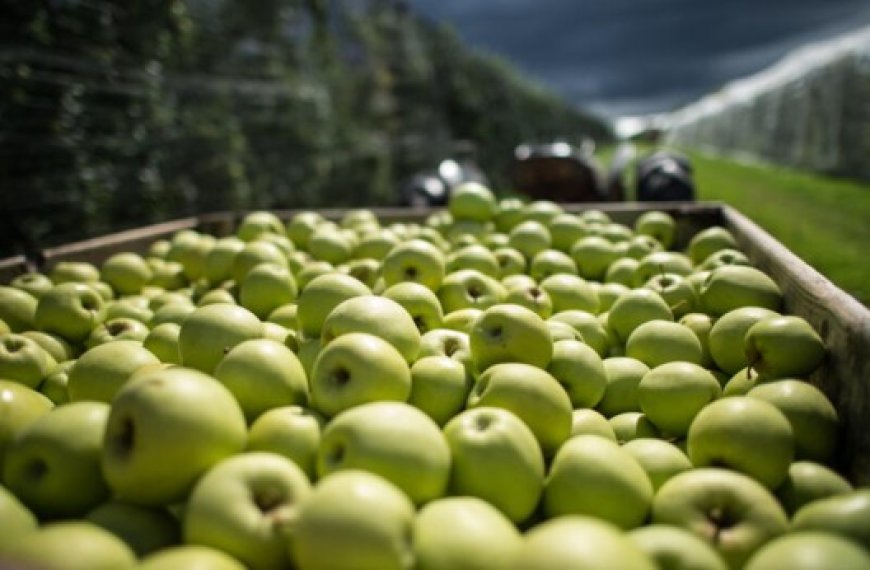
column 628, row 57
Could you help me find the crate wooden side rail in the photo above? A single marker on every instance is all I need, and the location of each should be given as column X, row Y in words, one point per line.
column 842, row 321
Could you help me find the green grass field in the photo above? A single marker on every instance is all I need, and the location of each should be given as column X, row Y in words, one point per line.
column 825, row 221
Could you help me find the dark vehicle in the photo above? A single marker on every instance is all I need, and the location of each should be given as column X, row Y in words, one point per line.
column 560, row 172
column 664, row 176
column 432, row 187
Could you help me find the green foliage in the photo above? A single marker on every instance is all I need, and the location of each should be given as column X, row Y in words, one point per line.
column 121, row 114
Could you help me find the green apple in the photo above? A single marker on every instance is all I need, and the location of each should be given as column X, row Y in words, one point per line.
column 657, row 224
column 623, row 375
column 210, row 331
column 809, row 550
column 468, row 288
column 321, row 296
column 639, row 246
column 570, row 293
column 701, row 324
column 807, row 482
column 565, row 230
column 733, row 286
column 518, row 280
column 100, row 372
column 676, row 291
column 551, row 262
column 190, row 557
column 461, row 320
column 473, row 256
column 496, row 457
column 57, row 452
column 591, row 330
column 660, row 459
column 133, row 307
column 329, row 243
column 463, row 532
column 120, row 328
column 510, row 262
column 253, row 254
column 219, row 261
column 671, row 395
column 71, row 545
column 576, row 541
column 472, row 201
column 743, row 381
column 144, row 529
column 726, row 337
column 439, row 387
column 23, row 360
column 165, row 429
column 415, row 260
column 285, row 315
column 167, row 275
column 636, row 307
column 255, row 224
column 17, row 308
column 532, row 394
column 708, row 241
column 301, row 226
column 608, row 293
column 580, row 371
column 312, row 270
column 126, row 272
column 812, row 416
column 675, row 548
column 593, row 476
column 510, row 333
column 593, row 255
column 629, row 426
column 356, row 368
column 531, row 297
column 419, row 302
column 69, row 310
column 162, row 341
column 846, row 515
column 266, row 287
column 247, row 506
column 622, row 271
column 447, row 342
column 54, row 386
column 190, row 248
column 585, row 421
column 32, row 282
column 658, row 342
column 530, row 237
column 744, row 434
column 376, row 245
column 17, row 519
column 784, row 347
column 291, row 431
column 375, row 315
column 510, row 213
column 355, row 519
column 263, row 374
column 19, row 407
column 542, row 211
column 660, row 263
column 733, row 513
column 74, row 272
column 723, row 257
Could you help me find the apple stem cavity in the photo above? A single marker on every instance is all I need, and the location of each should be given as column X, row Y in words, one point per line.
column 268, row 499
column 341, row 377
column 123, row 442
column 36, row 469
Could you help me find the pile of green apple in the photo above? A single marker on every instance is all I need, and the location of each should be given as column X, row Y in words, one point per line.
column 501, row 385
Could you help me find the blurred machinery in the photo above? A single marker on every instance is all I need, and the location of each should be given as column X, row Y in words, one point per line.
column 560, row 172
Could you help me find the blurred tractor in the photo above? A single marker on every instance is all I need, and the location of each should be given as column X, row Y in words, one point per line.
column 560, row 172
column 664, row 176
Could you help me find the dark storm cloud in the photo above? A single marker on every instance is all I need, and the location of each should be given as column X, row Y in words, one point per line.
column 639, row 56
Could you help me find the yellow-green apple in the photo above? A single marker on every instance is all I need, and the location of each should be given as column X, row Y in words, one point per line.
column 312, row 270
column 586, row 421
column 496, row 457
column 57, row 452
column 672, row 394
column 74, row 271
column 708, row 241
column 143, row 529
column 419, row 302
column 468, row 288
column 263, row 374
column 69, row 310
column 321, row 296
column 593, row 476
column 542, row 211
column 17, row 519
column 355, row 519
column 629, row 426
column 634, row 308
column 463, row 532
column 447, row 342
column 190, row 248
column 510, row 213
column 510, row 333
column 54, row 385
column 623, row 375
column 191, row 556
column 531, row 297
column 660, row 459
column 285, row 315
column 415, row 260
column 622, row 271
column 588, row 326
column 733, row 286
column 255, row 224
column 847, row 515
column 126, row 272
column 356, row 368
column 375, row 315
column 210, row 331
column 472, row 201
column 517, row 280
column 660, row 263
column 639, row 246
column 219, row 261
column 329, row 243
column 167, row 275
column 253, row 254
column 291, row 431
column 23, row 360
column 510, row 262
column 19, row 407
column 676, row 292
column 366, row 271
column 562, row 331
column 577, row 541
column 376, row 245
column 786, row 346
column 565, row 230
column 162, row 341
column 532, row 394
column 580, row 371
column 266, row 287
column 439, row 387
column 723, row 257
column 120, row 328
column 674, row 547
column 608, row 293
column 72, row 545
column 733, row 513
column 658, row 342
column 301, row 226
column 659, row 225
column 701, row 324
column 475, row 256
column 807, row 482
column 570, row 293
column 17, row 308
column 593, row 255
column 100, row 372
column 551, row 262
column 165, row 429
column 809, row 550
column 247, row 506
column 32, row 282
column 743, row 381
column 461, row 320
column 726, row 337
column 744, row 434
column 392, row 439
column 811, row 415
column 529, row 238
column 133, row 307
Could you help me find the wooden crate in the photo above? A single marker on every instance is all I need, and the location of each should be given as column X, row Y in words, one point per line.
column 843, row 322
